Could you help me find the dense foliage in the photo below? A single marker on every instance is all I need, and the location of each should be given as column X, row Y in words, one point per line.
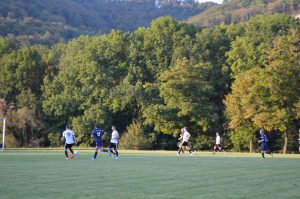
column 233, row 79
column 235, row 11
column 49, row 22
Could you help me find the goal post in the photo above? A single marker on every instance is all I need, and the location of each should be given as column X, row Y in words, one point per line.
column 3, row 132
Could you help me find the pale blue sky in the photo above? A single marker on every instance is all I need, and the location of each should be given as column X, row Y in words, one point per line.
column 217, row 1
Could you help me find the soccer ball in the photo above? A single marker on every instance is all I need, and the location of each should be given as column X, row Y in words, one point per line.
column 76, row 153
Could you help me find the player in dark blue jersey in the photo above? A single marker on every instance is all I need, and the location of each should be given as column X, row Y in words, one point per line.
column 97, row 134
column 263, row 143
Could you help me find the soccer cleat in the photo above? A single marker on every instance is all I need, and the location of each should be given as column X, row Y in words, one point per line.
column 72, row 156
column 67, row 158
column 93, row 159
column 194, row 152
column 117, row 158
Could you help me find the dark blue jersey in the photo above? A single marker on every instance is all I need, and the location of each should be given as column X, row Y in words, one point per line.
column 97, row 134
column 263, row 138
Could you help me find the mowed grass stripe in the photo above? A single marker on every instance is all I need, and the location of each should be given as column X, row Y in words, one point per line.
column 48, row 175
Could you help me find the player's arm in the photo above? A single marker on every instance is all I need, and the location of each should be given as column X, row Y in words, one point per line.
column 180, row 138
column 63, row 139
column 188, row 137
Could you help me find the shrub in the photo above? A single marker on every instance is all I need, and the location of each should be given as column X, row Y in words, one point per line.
column 134, row 137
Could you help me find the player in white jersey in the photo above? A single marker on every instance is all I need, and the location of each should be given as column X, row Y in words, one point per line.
column 185, row 140
column 70, row 141
column 218, row 143
column 114, row 143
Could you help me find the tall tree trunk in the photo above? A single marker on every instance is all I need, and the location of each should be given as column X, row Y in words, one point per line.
column 251, row 147
column 285, row 144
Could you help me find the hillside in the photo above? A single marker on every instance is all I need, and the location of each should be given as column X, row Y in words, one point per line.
column 234, row 11
column 49, row 22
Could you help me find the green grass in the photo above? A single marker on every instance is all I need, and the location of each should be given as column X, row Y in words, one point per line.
column 141, row 174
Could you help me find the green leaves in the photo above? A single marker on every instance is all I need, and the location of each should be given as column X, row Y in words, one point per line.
column 265, row 96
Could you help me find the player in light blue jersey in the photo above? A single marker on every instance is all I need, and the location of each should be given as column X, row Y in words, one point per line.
column 97, row 134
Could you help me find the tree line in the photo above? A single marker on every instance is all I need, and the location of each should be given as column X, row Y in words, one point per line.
column 49, row 22
column 234, row 79
column 235, row 11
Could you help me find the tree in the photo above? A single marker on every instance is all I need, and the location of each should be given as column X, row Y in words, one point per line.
column 250, row 50
column 265, row 96
column 89, row 68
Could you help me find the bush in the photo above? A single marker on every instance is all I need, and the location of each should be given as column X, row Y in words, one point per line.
column 10, row 141
column 241, row 138
column 54, row 139
column 203, row 142
column 134, row 137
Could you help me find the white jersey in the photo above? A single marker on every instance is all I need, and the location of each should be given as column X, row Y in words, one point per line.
column 68, row 135
column 218, row 139
column 186, row 136
column 114, row 137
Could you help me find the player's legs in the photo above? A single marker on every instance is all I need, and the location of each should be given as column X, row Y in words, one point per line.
column 98, row 146
column 96, row 153
column 263, row 150
column 71, row 150
column 180, row 148
column 216, row 148
column 110, row 151
column 66, row 151
column 116, row 150
column 190, row 149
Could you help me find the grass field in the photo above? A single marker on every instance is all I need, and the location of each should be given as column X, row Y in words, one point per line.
column 46, row 174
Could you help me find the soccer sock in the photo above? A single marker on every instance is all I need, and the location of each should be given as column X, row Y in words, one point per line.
column 66, row 152
column 71, row 150
column 95, row 155
column 263, row 155
column 111, row 151
column 191, row 150
column 117, row 153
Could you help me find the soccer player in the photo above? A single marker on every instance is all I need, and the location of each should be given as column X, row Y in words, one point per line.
column 97, row 134
column 263, row 143
column 185, row 140
column 114, row 142
column 217, row 144
column 180, row 138
column 70, row 141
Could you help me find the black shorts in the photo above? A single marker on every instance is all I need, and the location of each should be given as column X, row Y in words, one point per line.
column 68, row 146
column 184, row 143
column 113, row 145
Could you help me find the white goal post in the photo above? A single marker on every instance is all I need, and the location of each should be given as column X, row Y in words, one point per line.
column 3, row 132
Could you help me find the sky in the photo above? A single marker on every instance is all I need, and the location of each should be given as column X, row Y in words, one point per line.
column 217, row 1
